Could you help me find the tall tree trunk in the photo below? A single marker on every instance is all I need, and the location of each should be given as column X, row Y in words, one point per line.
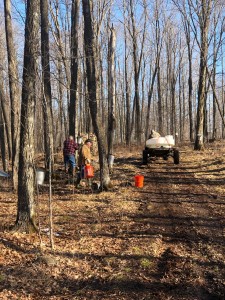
column 150, row 93
column 13, row 88
column 190, row 84
column 74, row 66
column 159, row 92
column 160, row 119
column 47, row 95
column 5, row 114
column 111, row 91
column 26, row 205
column 137, row 62
column 91, row 82
column 127, row 87
column 2, row 138
column 204, row 19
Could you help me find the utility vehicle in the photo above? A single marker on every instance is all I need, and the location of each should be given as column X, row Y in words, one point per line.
column 160, row 147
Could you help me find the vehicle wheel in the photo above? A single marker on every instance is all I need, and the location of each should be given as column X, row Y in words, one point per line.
column 145, row 157
column 176, row 157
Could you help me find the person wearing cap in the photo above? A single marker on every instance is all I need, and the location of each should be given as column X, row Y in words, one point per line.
column 69, row 148
column 85, row 153
column 84, row 158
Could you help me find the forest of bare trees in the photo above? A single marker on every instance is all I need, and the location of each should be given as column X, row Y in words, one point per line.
column 114, row 68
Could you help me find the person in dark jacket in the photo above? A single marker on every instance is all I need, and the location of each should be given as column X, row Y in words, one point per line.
column 69, row 148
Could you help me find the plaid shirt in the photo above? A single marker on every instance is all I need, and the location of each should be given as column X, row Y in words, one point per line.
column 69, row 147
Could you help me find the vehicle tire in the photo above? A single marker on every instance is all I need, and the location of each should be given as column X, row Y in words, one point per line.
column 145, row 157
column 176, row 157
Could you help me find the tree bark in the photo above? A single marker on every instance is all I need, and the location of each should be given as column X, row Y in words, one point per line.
column 26, row 205
column 2, row 138
column 111, row 91
column 74, row 66
column 204, row 19
column 137, row 63
column 91, row 82
column 14, row 91
column 5, row 114
column 47, row 95
column 127, row 87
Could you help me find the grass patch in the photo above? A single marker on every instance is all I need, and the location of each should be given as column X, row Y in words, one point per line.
column 145, row 263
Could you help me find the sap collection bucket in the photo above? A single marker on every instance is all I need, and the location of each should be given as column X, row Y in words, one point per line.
column 40, row 176
column 111, row 160
column 139, row 181
column 88, row 171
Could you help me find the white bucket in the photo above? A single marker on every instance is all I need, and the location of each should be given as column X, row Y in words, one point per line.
column 111, row 160
column 40, row 176
column 79, row 140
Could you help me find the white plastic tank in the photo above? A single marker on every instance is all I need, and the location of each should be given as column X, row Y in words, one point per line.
column 157, row 143
column 170, row 140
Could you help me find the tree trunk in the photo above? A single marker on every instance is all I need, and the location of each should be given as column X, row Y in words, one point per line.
column 150, row 93
column 160, row 119
column 74, row 66
column 26, row 205
column 137, row 63
column 5, row 113
column 2, row 138
column 190, row 84
column 204, row 19
column 91, row 82
column 47, row 95
column 127, row 87
column 14, row 91
column 111, row 91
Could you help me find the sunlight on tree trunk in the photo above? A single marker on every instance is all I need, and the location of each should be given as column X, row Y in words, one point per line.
column 26, row 204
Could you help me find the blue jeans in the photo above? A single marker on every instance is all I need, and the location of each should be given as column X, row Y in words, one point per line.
column 69, row 159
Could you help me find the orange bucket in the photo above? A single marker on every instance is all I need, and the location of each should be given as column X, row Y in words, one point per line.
column 139, row 180
column 88, row 171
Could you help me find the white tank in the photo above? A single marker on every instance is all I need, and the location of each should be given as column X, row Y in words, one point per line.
column 170, row 140
column 158, row 142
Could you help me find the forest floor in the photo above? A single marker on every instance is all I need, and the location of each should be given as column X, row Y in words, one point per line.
column 163, row 241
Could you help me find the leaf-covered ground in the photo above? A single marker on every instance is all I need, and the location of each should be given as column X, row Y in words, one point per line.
column 163, row 241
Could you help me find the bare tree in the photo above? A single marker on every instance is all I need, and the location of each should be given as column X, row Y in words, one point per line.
column 74, row 66
column 14, row 88
column 91, row 82
column 203, row 11
column 137, row 59
column 47, row 95
column 127, row 85
column 5, row 117
column 2, row 139
column 26, row 205
column 111, row 91
column 187, row 30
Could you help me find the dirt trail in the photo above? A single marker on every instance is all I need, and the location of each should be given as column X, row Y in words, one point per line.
column 186, row 211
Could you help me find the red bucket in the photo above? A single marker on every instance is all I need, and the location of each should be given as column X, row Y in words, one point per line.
column 88, row 171
column 139, row 180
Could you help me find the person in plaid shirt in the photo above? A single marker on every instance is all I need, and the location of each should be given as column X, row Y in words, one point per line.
column 69, row 148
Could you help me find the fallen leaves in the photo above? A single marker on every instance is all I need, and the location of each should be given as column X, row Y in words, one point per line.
column 157, row 242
